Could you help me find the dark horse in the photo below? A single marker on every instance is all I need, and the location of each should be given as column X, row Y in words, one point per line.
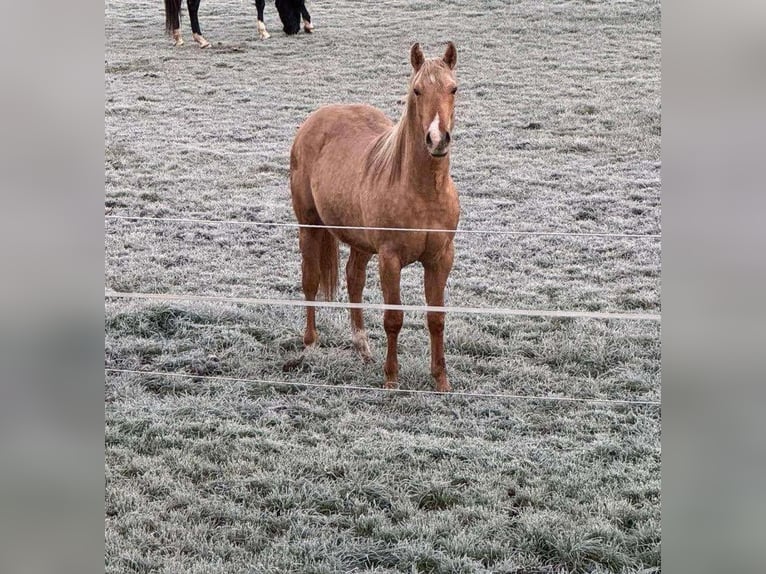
column 173, row 22
column 352, row 167
column 290, row 12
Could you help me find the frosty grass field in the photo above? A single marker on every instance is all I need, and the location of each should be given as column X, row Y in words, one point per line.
column 557, row 129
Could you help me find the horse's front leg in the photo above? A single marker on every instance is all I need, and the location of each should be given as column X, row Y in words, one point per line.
column 390, row 268
column 436, row 273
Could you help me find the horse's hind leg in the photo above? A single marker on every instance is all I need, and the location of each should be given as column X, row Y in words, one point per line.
column 308, row 27
column 173, row 20
column 310, row 243
column 356, row 276
column 193, row 6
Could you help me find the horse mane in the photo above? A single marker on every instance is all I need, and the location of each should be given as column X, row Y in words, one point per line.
column 387, row 153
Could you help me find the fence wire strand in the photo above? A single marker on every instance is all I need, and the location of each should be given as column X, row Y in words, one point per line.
column 453, row 393
column 383, row 307
column 365, row 228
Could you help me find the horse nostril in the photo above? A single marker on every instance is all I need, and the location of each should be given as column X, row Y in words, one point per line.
column 447, row 137
column 429, row 141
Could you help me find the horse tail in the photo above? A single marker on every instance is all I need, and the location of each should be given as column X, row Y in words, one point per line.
column 328, row 265
column 172, row 15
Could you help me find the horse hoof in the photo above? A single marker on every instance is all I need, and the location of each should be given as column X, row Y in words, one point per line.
column 310, row 339
column 200, row 39
column 390, row 385
column 443, row 387
column 308, row 27
column 365, row 354
column 177, row 39
column 362, row 345
column 263, row 34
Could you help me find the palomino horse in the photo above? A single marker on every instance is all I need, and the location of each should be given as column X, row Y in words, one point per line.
column 351, row 166
column 291, row 9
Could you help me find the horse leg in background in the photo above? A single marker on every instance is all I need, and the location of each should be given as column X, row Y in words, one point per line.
column 290, row 15
column 173, row 20
column 311, row 246
column 263, row 34
column 308, row 27
column 356, row 276
column 193, row 6
column 390, row 268
column 435, row 275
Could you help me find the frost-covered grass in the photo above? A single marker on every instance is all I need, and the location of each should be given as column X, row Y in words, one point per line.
column 558, row 128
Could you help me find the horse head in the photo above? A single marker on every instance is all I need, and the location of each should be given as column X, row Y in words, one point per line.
column 433, row 85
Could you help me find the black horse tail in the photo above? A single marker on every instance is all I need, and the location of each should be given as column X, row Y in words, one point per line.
column 172, row 15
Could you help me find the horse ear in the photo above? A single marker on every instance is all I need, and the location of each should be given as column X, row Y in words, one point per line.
column 450, row 55
column 416, row 56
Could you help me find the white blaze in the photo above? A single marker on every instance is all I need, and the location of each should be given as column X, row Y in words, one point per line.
column 433, row 129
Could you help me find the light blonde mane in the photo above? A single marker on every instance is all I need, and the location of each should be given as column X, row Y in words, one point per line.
column 387, row 154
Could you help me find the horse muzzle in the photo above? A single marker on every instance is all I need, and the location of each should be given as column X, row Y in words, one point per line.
column 440, row 147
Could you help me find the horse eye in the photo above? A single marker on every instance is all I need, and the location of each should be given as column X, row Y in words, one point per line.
column 417, row 92
column 453, row 90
